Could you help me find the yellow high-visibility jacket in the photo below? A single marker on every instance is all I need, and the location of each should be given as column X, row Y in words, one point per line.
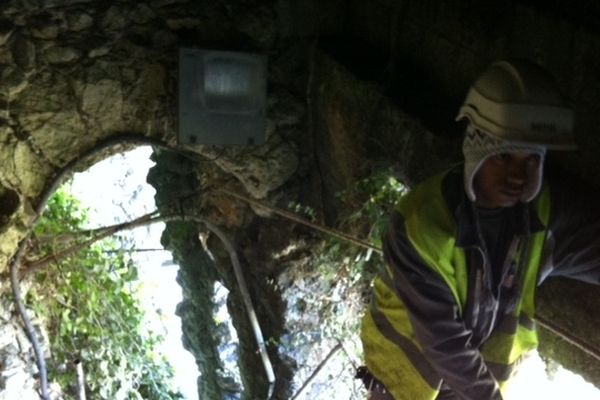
column 443, row 311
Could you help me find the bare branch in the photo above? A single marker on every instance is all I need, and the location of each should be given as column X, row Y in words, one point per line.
column 133, row 250
column 294, row 217
column 67, row 237
column 33, row 266
column 312, row 376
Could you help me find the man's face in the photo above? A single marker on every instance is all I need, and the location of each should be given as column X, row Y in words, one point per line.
column 502, row 178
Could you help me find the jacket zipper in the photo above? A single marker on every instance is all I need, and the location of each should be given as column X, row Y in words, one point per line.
column 479, row 277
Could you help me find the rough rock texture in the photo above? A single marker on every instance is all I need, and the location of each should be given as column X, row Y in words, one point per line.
column 73, row 73
column 18, row 369
column 579, row 322
column 359, row 129
column 431, row 51
column 201, row 268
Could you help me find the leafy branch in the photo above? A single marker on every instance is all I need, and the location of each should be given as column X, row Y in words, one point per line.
column 88, row 299
column 15, row 262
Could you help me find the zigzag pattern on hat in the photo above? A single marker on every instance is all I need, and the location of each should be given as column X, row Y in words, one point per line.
column 478, row 144
column 477, row 138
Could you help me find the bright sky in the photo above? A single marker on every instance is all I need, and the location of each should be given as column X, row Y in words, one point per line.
column 115, row 190
column 531, row 382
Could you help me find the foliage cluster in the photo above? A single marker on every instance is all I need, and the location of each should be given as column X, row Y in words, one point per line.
column 370, row 202
column 331, row 290
column 93, row 314
column 366, row 208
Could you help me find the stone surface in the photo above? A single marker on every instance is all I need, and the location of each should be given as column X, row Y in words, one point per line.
column 9, row 204
column 142, row 14
column 46, row 129
column 61, row 55
column 7, row 28
column 17, row 373
column 114, row 19
column 17, row 378
column 23, row 52
column 262, row 169
column 182, row 23
column 102, row 102
column 14, row 80
column 165, row 3
column 99, row 51
column 578, row 322
column 45, row 30
column 79, row 21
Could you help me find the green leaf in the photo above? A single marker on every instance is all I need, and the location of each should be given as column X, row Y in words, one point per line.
column 91, row 311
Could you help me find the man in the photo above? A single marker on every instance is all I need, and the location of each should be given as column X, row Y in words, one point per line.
column 452, row 313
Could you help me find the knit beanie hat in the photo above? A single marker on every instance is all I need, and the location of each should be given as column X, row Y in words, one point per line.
column 478, row 146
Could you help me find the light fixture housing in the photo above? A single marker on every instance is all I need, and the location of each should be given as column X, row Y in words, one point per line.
column 222, row 97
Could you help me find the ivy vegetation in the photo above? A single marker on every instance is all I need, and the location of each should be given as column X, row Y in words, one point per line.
column 90, row 307
column 332, row 289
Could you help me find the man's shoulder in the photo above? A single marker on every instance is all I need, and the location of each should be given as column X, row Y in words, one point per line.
column 440, row 191
column 430, row 204
column 425, row 218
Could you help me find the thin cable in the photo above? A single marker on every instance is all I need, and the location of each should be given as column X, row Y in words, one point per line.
column 239, row 276
column 29, row 329
column 293, row 217
column 312, row 376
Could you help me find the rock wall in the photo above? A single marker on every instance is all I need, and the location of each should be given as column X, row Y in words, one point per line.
column 201, row 267
column 74, row 74
column 18, row 371
column 71, row 76
column 431, row 51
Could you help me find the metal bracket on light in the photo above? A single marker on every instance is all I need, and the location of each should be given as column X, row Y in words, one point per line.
column 222, row 97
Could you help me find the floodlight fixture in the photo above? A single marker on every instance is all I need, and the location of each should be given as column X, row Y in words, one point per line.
column 222, row 97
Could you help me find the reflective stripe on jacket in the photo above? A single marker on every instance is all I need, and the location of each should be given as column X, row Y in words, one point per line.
column 399, row 345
